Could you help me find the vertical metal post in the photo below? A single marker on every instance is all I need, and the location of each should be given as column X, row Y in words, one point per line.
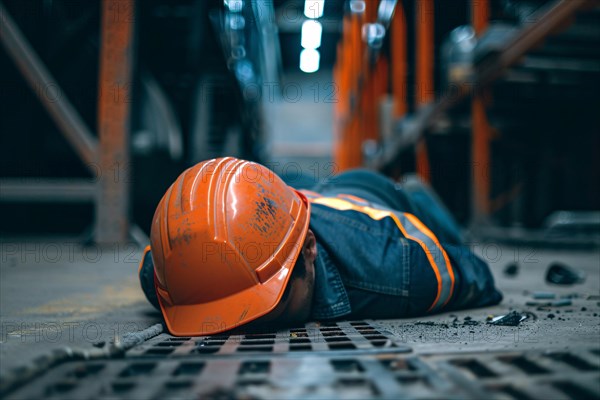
column 480, row 15
column 424, row 78
column 480, row 136
column 379, row 88
column 399, row 64
column 339, row 129
column 366, row 100
column 116, row 59
column 354, row 143
column 339, row 106
column 337, row 109
column 342, row 130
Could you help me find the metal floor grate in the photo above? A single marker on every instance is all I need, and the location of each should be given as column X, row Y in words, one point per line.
column 357, row 337
column 263, row 365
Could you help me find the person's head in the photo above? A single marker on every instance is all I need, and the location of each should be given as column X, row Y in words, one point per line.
column 226, row 239
column 296, row 302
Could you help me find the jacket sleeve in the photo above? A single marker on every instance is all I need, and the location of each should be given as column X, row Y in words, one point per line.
column 146, row 275
column 476, row 283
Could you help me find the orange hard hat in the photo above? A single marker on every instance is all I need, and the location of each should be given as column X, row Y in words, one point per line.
column 225, row 238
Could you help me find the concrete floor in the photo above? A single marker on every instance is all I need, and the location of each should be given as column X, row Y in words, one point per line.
column 553, row 327
column 55, row 294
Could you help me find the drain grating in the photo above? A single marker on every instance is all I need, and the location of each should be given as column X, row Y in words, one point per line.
column 263, row 365
column 358, row 337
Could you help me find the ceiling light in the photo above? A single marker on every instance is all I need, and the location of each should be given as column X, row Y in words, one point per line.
column 311, row 34
column 234, row 5
column 314, row 8
column 309, row 60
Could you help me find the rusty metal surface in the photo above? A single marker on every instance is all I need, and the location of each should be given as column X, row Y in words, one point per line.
column 115, row 87
column 480, row 130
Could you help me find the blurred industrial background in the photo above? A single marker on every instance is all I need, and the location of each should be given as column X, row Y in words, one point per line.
column 494, row 103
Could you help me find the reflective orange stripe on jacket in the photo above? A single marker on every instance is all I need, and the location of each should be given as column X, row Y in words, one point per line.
column 412, row 228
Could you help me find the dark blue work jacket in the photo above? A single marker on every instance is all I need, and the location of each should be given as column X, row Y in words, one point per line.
column 374, row 262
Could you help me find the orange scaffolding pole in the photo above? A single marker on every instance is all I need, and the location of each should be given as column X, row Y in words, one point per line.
column 424, row 75
column 481, row 15
column 354, row 145
column 399, row 64
column 337, row 106
column 379, row 89
column 116, row 65
column 341, row 121
column 480, row 136
column 361, row 86
column 367, row 99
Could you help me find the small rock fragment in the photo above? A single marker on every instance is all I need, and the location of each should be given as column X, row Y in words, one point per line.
column 537, row 303
column 570, row 296
column 562, row 302
column 511, row 269
column 561, row 274
column 543, row 295
column 513, row 318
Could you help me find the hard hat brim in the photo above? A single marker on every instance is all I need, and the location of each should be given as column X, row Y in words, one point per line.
column 236, row 310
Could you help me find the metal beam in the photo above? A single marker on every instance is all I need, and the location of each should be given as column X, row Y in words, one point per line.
column 546, row 21
column 399, row 61
column 41, row 81
column 424, row 87
column 44, row 190
column 480, row 131
column 270, row 62
column 116, row 60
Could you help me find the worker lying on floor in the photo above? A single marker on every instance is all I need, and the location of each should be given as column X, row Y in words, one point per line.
column 231, row 243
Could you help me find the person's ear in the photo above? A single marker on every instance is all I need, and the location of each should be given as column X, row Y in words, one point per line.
column 309, row 248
